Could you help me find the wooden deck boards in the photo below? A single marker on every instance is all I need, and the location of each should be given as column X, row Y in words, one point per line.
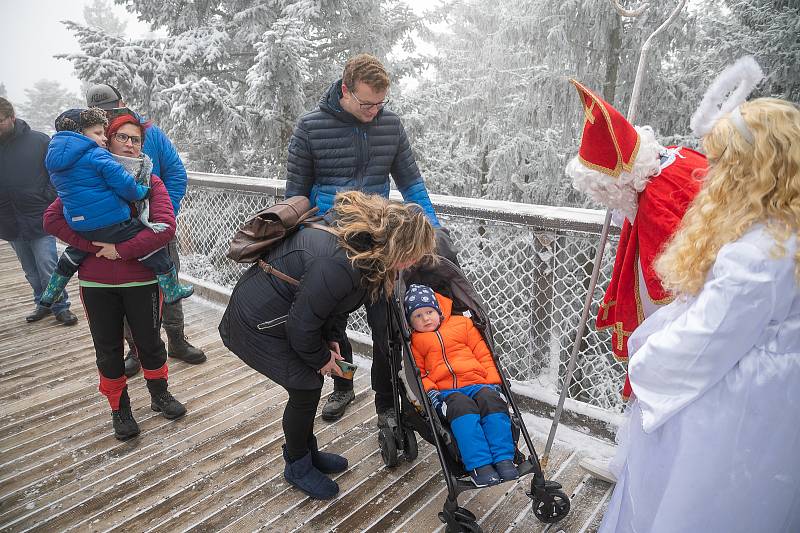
column 220, row 467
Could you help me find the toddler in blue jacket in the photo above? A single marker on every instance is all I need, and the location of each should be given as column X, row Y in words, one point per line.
column 96, row 188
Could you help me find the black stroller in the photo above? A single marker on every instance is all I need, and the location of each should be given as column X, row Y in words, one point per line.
column 550, row 503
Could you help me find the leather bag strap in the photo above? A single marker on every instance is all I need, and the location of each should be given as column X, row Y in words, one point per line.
column 269, row 269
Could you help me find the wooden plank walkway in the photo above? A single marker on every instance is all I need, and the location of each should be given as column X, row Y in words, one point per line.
column 220, row 467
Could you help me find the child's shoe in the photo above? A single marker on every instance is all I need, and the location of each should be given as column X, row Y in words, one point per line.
column 54, row 291
column 507, row 470
column 484, row 476
column 171, row 288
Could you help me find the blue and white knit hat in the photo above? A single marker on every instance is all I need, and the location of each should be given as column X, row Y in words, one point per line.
column 420, row 296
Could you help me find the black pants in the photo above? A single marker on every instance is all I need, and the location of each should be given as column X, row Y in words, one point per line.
column 298, row 420
column 159, row 261
column 378, row 320
column 105, row 309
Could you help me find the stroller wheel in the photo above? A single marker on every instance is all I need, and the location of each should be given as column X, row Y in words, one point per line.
column 552, row 507
column 460, row 521
column 410, row 448
column 388, row 447
column 467, row 527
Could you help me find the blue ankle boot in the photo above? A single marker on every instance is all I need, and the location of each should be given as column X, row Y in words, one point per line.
column 171, row 288
column 327, row 463
column 54, row 290
column 507, row 470
column 484, row 476
column 303, row 475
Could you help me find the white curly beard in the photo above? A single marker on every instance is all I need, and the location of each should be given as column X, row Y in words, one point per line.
column 621, row 193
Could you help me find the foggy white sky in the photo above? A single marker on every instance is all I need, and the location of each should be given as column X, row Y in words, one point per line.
column 32, row 34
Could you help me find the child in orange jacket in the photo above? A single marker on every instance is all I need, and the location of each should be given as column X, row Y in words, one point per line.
column 461, row 380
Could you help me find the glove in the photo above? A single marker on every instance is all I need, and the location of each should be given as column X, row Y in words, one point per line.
column 445, row 246
column 436, row 399
column 158, row 227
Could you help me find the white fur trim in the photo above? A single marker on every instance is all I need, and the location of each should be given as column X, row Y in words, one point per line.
column 731, row 88
column 620, row 193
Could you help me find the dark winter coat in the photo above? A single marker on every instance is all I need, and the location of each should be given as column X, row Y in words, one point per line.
column 128, row 268
column 282, row 330
column 25, row 188
column 94, row 188
column 332, row 151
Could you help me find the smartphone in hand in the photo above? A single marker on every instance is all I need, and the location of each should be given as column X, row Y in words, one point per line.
column 348, row 369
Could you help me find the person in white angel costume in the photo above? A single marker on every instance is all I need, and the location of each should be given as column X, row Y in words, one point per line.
column 712, row 442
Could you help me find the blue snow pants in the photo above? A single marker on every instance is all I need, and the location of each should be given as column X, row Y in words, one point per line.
column 478, row 418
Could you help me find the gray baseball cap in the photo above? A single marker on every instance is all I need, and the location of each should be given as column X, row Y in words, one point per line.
column 103, row 96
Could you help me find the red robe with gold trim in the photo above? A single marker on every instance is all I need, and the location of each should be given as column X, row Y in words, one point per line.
column 661, row 207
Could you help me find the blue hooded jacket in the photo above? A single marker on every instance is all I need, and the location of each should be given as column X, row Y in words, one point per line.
column 167, row 164
column 93, row 187
column 332, row 151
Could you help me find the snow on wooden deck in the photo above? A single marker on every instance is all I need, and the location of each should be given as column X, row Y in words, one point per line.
column 220, row 467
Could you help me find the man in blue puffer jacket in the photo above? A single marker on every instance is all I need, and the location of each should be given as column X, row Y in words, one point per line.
column 168, row 166
column 352, row 142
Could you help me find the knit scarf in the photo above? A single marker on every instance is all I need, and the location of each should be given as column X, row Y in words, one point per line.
column 141, row 168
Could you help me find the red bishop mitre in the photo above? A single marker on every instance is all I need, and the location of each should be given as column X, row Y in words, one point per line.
column 609, row 143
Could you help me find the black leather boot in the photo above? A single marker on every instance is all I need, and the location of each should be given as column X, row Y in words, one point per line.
column 125, row 427
column 132, row 364
column 161, row 401
column 179, row 348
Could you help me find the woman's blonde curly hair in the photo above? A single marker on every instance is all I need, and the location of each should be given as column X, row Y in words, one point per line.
column 746, row 184
column 381, row 237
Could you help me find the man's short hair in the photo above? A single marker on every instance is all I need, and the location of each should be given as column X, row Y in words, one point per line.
column 103, row 95
column 367, row 69
column 6, row 109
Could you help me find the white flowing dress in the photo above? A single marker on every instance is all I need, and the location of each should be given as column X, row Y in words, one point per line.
column 712, row 442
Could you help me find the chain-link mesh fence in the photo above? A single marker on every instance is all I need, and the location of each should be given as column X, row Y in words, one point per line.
column 532, row 275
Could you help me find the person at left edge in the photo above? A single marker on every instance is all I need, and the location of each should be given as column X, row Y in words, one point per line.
column 168, row 166
column 25, row 193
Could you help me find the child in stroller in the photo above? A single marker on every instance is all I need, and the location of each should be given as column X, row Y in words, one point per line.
column 463, row 385
column 414, row 412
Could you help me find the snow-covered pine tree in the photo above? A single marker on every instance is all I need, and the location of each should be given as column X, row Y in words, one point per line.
column 230, row 78
column 98, row 14
column 44, row 102
column 499, row 120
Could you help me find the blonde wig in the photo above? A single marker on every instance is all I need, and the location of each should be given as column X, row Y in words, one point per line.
column 746, row 184
column 381, row 237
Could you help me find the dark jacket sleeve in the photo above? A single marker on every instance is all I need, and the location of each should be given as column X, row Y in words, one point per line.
column 299, row 164
column 147, row 241
column 335, row 328
column 55, row 224
column 324, row 285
